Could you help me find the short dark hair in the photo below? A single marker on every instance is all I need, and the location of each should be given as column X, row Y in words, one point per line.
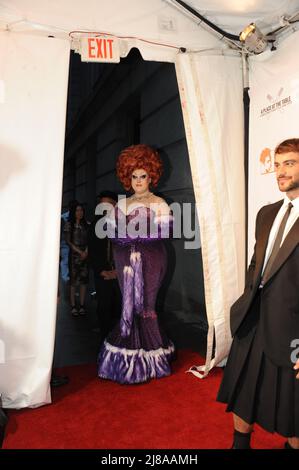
column 107, row 193
column 289, row 145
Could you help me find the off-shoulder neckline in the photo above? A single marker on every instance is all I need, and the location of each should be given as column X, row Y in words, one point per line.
column 134, row 209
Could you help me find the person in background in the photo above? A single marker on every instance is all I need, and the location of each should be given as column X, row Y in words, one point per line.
column 64, row 247
column 105, row 276
column 76, row 235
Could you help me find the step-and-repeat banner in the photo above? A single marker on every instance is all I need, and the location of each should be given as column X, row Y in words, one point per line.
column 274, row 117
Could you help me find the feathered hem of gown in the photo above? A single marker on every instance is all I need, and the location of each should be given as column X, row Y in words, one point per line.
column 131, row 366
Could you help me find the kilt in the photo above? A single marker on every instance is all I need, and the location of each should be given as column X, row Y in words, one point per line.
column 254, row 388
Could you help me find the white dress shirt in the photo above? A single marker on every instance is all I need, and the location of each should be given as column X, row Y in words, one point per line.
column 294, row 214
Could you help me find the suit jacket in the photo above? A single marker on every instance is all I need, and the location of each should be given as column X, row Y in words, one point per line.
column 98, row 250
column 279, row 302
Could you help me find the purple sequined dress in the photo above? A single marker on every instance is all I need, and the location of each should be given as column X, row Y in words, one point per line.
column 137, row 350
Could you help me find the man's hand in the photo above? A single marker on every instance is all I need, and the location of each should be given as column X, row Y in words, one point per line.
column 112, row 274
column 104, row 274
column 108, row 275
column 296, row 367
column 83, row 255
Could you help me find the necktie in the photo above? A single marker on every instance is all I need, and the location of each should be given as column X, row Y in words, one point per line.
column 276, row 245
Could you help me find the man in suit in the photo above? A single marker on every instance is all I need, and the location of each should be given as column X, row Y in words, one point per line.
column 261, row 379
column 105, row 277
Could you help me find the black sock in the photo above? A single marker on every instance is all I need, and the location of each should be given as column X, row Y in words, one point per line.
column 241, row 440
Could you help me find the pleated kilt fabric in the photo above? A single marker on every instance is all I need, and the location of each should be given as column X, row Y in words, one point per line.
column 254, row 388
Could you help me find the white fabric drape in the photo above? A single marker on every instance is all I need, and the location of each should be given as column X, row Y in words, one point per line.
column 211, row 95
column 33, row 93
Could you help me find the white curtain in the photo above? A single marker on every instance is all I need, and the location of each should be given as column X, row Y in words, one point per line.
column 212, row 102
column 33, row 93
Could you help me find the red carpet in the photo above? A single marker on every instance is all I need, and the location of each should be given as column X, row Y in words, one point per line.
column 177, row 412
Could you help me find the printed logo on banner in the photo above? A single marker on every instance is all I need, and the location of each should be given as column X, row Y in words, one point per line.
column 277, row 103
column 266, row 161
column 274, row 110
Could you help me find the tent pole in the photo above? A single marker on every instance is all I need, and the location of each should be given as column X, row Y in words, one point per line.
column 246, row 103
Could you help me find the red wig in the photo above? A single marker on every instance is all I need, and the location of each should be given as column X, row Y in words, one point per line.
column 138, row 157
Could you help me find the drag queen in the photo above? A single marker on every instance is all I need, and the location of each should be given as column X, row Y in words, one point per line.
column 137, row 350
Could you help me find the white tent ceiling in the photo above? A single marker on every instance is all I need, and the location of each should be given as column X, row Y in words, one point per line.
column 233, row 15
column 157, row 20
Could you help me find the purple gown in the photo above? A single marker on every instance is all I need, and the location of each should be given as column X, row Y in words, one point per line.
column 137, row 350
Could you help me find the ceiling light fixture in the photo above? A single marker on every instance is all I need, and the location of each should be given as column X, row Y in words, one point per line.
column 253, row 39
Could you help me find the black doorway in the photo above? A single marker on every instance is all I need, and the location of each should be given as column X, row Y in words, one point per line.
column 112, row 106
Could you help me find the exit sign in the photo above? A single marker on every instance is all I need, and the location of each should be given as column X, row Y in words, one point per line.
column 99, row 49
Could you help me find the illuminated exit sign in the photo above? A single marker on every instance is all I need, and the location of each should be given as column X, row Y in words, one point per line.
column 99, row 49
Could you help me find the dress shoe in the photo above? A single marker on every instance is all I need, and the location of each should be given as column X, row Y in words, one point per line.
column 58, row 380
column 82, row 310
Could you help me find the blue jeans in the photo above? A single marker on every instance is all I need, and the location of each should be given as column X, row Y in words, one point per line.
column 64, row 262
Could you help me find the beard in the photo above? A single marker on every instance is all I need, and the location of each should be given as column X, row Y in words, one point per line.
column 289, row 187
